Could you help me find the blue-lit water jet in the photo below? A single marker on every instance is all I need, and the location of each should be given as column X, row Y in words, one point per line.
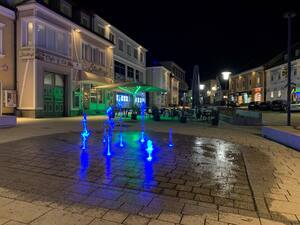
column 170, row 138
column 85, row 133
column 149, row 150
column 121, row 125
column 110, row 126
column 143, row 106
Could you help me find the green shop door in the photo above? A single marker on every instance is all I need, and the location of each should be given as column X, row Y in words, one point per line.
column 54, row 97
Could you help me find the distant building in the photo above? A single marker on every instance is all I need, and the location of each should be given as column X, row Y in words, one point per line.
column 161, row 77
column 276, row 76
column 209, row 92
column 179, row 74
column 7, row 64
column 247, row 86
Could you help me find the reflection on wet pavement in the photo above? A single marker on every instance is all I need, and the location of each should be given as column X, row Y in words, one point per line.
column 52, row 170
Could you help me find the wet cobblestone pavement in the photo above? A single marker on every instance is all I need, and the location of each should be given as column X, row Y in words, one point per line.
column 49, row 180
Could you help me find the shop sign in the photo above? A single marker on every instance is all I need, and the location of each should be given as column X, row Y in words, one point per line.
column 53, row 59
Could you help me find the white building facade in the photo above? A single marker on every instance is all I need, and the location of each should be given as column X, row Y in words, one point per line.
column 161, row 77
column 276, row 82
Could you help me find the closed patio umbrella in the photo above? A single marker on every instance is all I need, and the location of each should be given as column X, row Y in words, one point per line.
column 196, row 87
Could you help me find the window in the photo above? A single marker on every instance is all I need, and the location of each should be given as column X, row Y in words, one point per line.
column 279, row 93
column 27, row 33
column 111, row 37
column 135, row 53
column 130, row 72
column 1, row 38
column 258, row 80
column 51, row 39
column 142, row 57
column 119, row 68
column 295, row 71
column 66, row 8
column 137, row 75
column 85, row 20
column 41, row 35
column 129, row 50
column 100, row 29
column 121, row 45
column 272, row 94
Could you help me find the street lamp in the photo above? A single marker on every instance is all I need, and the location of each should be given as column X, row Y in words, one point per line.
column 289, row 16
column 202, row 86
column 226, row 75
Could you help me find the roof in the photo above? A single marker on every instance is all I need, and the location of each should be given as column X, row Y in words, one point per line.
column 281, row 57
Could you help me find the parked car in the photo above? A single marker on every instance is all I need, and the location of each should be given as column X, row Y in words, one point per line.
column 233, row 104
column 295, row 107
column 278, row 105
column 253, row 106
column 264, row 106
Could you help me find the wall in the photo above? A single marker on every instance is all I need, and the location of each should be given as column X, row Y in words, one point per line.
column 7, row 67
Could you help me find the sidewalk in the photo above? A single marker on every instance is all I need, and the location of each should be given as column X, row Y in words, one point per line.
column 272, row 172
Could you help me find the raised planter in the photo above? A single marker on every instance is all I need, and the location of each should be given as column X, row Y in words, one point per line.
column 8, row 121
column 243, row 118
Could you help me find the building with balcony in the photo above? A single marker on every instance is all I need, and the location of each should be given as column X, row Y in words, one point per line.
column 179, row 74
column 7, row 61
column 247, row 86
column 61, row 58
column 129, row 59
column 161, row 77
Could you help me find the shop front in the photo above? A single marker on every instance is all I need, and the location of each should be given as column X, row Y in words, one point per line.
column 257, row 94
column 87, row 98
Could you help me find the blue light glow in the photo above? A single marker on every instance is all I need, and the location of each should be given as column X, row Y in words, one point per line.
column 110, row 126
column 170, row 138
column 149, row 150
column 84, row 133
column 143, row 106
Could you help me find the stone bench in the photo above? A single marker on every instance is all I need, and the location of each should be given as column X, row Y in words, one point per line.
column 8, row 121
column 284, row 135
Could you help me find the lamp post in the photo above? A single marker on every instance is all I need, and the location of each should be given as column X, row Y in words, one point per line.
column 201, row 87
column 289, row 16
column 226, row 75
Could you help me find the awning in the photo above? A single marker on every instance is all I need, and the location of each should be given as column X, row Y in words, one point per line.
column 131, row 87
column 84, row 76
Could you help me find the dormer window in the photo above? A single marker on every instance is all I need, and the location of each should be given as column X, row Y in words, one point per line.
column 85, row 20
column 66, row 8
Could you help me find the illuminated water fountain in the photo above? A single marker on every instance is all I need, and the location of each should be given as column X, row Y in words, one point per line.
column 110, row 127
column 149, row 150
column 143, row 106
column 84, row 133
column 170, row 138
column 121, row 125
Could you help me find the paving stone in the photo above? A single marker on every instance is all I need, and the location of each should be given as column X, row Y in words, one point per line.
column 103, row 222
column 203, row 191
column 22, row 211
column 136, row 220
column 150, row 212
column 170, row 192
column 115, row 216
column 204, row 198
column 170, row 216
column 159, row 222
column 186, row 195
column 238, row 219
column 270, row 222
column 14, row 223
column 95, row 212
column 192, row 220
column 55, row 217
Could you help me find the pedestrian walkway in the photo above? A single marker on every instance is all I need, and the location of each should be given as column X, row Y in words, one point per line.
column 225, row 175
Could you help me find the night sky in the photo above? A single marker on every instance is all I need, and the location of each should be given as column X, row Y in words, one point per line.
column 216, row 35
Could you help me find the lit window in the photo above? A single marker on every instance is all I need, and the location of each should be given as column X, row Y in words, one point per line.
column 272, row 94
column 279, row 93
column 27, row 33
column 41, row 35
column 258, row 80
